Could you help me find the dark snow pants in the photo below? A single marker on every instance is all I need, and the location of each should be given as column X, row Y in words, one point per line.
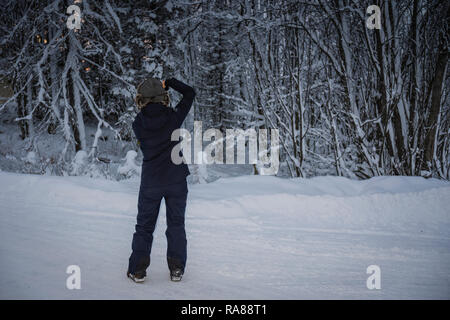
column 149, row 202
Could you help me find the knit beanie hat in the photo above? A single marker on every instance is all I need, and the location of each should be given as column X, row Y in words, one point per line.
column 151, row 91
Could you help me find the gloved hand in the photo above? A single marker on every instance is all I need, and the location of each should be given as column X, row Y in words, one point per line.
column 166, row 83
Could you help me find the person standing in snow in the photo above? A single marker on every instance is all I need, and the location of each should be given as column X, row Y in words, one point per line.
column 160, row 177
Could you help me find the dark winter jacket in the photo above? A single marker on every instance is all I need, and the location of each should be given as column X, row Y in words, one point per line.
column 153, row 128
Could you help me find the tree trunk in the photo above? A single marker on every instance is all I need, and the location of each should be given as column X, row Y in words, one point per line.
column 433, row 117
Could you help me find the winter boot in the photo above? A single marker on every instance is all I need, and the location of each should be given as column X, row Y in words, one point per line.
column 139, row 273
column 176, row 269
column 176, row 274
column 138, row 277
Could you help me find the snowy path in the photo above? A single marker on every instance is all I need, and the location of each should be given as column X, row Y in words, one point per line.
column 248, row 238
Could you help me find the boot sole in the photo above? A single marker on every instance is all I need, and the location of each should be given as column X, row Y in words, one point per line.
column 175, row 279
column 135, row 279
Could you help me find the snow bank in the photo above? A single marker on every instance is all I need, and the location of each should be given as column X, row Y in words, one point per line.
column 393, row 204
column 70, row 192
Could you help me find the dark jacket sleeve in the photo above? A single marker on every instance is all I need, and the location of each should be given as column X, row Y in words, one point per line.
column 183, row 107
column 136, row 130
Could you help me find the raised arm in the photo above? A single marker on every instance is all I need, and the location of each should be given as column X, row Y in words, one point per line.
column 185, row 104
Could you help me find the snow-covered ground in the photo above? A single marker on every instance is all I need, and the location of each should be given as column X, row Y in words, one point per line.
column 249, row 237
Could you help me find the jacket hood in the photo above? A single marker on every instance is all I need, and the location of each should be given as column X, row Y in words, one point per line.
column 155, row 116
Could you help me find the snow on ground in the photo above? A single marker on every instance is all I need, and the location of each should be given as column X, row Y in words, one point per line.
column 250, row 237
